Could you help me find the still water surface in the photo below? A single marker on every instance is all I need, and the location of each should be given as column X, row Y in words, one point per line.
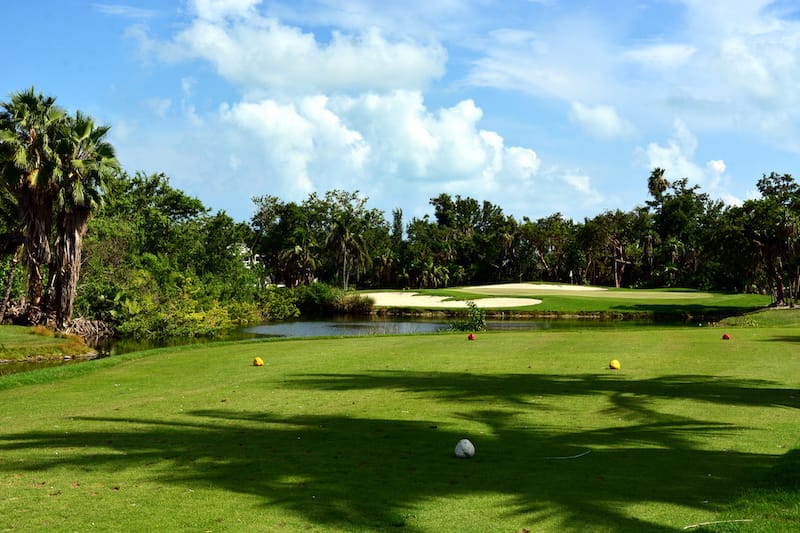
column 347, row 327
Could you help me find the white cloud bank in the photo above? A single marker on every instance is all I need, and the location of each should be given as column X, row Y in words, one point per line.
column 347, row 113
column 316, row 142
column 262, row 55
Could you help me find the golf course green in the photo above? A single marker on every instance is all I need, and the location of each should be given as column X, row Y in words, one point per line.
column 564, row 300
column 357, row 434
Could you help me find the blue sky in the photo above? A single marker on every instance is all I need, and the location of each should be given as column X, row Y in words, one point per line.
column 539, row 106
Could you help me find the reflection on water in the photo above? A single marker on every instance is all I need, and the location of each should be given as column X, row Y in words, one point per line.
column 387, row 326
column 346, row 328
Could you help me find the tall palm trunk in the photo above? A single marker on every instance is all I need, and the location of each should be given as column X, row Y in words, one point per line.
column 69, row 244
column 345, row 268
column 35, row 214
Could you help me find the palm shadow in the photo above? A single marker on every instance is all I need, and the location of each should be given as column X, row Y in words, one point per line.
column 517, row 388
column 784, row 338
column 371, row 474
column 678, row 311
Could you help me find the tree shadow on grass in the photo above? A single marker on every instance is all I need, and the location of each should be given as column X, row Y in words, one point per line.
column 373, row 473
column 518, row 388
column 684, row 311
column 784, row 338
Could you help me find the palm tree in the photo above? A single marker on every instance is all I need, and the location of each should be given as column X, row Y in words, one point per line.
column 346, row 239
column 657, row 184
column 29, row 168
column 299, row 261
column 88, row 161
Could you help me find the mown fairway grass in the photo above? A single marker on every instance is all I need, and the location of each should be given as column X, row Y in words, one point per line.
column 357, row 434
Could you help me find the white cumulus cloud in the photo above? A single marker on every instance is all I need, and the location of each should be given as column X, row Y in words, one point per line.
column 319, row 142
column 263, row 54
column 677, row 158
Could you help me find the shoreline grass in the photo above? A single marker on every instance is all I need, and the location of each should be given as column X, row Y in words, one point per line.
column 357, row 434
column 21, row 343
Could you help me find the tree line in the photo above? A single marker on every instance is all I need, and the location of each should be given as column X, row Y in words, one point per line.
column 680, row 237
column 81, row 236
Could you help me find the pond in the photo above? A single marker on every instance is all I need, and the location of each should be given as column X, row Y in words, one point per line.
column 338, row 327
column 347, row 327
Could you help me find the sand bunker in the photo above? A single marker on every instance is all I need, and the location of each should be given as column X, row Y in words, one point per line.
column 532, row 287
column 413, row 299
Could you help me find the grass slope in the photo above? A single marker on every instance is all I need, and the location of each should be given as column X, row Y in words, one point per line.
column 19, row 343
column 357, row 434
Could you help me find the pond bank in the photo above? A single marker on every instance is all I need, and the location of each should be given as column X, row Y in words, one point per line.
column 52, row 358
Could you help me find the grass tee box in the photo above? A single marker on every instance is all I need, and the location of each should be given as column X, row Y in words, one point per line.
column 357, row 434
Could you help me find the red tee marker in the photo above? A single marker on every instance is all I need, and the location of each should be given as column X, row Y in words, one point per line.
column 471, row 336
column 726, row 337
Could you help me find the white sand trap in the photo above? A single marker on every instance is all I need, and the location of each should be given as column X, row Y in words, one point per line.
column 413, row 299
column 535, row 287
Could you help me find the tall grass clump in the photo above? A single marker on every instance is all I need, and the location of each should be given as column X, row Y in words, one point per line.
column 352, row 303
column 475, row 321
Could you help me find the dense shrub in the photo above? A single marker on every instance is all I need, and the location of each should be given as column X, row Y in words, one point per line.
column 322, row 299
column 278, row 303
column 317, row 298
column 175, row 319
column 244, row 313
